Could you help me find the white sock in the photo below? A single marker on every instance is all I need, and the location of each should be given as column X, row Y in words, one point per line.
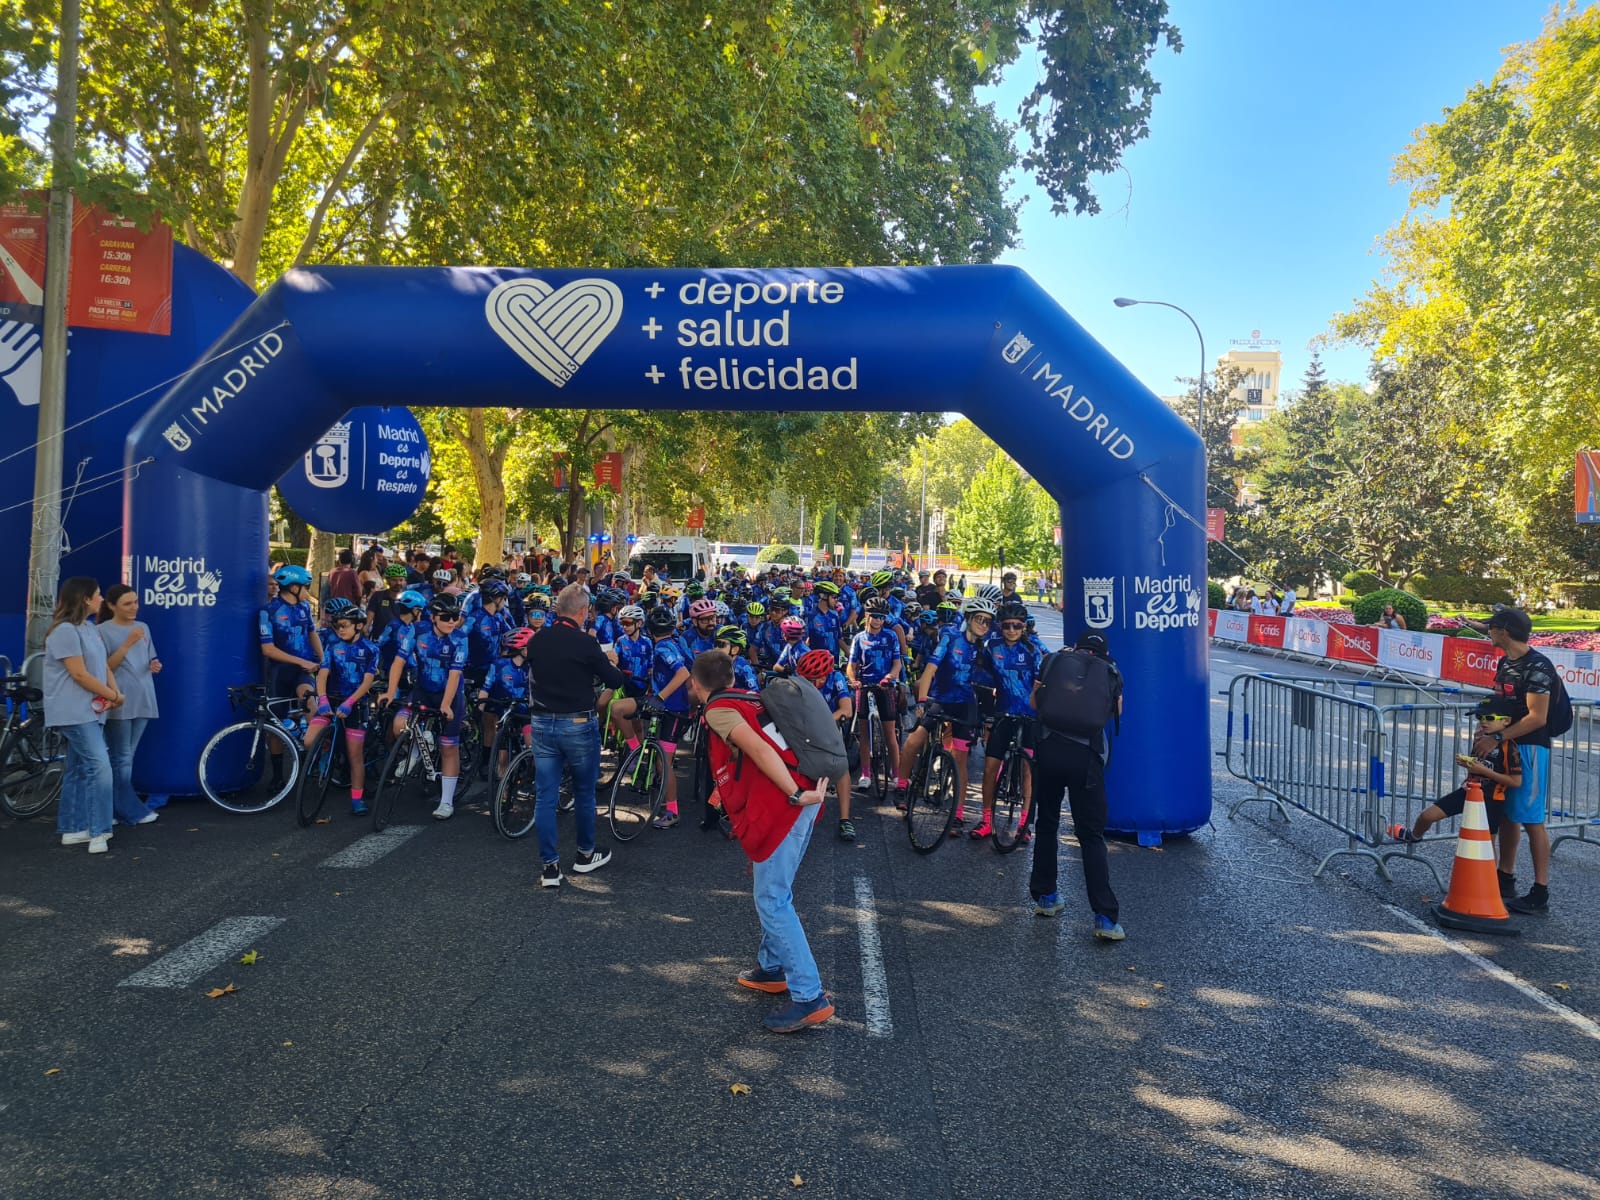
column 448, row 792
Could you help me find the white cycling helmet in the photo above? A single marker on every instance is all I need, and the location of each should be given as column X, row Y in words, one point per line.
column 977, row 604
column 630, row 612
column 444, row 576
column 988, row 591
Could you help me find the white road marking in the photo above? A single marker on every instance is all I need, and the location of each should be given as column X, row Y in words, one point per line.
column 874, row 983
column 368, row 850
column 1494, row 971
column 195, row 957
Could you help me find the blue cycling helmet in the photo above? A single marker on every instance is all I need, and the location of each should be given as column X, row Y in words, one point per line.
column 493, row 589
column 290, row 575
column 336, row 606
column 412, row 599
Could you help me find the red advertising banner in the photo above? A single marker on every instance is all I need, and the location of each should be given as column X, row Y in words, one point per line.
column 1267, row 631
column 1215, row 522
column 558, row 473
column 697, row 517
column 120, row 278
column 1211, row 622
column 1586, row 502
column 1469, row 660
column 1353, row 643
column 608, row 470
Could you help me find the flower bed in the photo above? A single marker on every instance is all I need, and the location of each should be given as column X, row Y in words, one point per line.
column 1334, row 616
column 1572, row 639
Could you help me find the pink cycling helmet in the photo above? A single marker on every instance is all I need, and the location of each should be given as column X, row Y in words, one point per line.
column 702, row 608
column 792, row 627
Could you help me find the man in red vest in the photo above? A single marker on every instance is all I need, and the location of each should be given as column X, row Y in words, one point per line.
column 765, row 797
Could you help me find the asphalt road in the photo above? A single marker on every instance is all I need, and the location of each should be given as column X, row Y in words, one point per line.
column 432, row 1024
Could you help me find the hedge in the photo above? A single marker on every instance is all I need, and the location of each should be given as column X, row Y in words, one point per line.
column 1369, row 608
column 1578, row 594
column 1216, row 594
column 1461, row 590
column 778, row 554
column 1362, row 582
column 278, row 552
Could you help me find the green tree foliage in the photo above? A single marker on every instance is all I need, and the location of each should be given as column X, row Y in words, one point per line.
column 1492, row 270
column 1004, row 513
column 777, row 554
column 955, row 455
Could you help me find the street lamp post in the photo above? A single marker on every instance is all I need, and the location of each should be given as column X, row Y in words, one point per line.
column 1200, row 386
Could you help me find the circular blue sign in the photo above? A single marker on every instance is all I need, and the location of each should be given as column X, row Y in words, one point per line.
column 365, row 475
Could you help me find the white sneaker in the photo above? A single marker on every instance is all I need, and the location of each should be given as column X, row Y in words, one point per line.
column 445, row 811
column 864, row 782
column 75, row 839
column 147, row 818
column 100, row 844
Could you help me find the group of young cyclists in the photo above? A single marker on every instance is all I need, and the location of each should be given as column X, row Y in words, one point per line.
column 963, row 660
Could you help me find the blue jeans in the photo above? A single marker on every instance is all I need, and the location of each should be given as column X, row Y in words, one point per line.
column 562, row 740
column 122, row 739
column 86, row 781
column 783, row 941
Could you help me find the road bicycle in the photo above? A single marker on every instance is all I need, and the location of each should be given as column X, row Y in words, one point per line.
column 934, row 788
column 1011, row 808
column 639, row 789
column 875, row 747
column 32, row 757
column 325, row 762
column 235, row 765
column 413, row 767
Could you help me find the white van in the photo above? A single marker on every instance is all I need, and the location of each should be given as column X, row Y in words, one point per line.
column 678, row 558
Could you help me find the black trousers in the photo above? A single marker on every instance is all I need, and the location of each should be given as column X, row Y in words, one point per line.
column 1071, row 770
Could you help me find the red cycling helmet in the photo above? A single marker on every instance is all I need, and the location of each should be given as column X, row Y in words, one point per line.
column 815, row 665
column 516, row 639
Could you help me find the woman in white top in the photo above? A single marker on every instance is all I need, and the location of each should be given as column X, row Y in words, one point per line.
column 134, row 665
column 78, row 690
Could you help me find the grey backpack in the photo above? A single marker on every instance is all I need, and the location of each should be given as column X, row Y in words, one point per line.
column 805, row 724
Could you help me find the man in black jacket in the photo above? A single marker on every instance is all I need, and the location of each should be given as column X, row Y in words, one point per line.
column 563, row 664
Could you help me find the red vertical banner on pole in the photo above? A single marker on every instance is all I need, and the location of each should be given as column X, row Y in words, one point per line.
column 121, row 275
column 1215, row 521
column 697, row 517
column 558, row 473
column 608, row 470
column 1586, row 501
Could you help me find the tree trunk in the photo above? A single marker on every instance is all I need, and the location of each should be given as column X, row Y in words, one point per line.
column 488, row 471
column 319, row 559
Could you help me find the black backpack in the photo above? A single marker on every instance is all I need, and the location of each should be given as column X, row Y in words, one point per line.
column 1078, row 693
column 1558, row 719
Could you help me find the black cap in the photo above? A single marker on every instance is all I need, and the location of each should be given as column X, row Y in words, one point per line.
column 1514, row 621
column 1094, row 643
column 1501, row 706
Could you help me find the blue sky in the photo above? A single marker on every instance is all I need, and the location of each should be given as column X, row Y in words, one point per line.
column 1257, row 198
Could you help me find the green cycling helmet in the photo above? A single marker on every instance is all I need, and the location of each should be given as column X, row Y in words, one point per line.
column 733, row 634
column 881, row 579
column 394, row 571
column 755, row 609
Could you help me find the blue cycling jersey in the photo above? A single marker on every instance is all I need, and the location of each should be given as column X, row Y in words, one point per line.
column 433, row 656
column 348, row 664
column 822, row 629
column 744, row 675
column 790, row 655
column 389, row 641
column 769, row 644
column 507, row 681
column 484, row 631
column 954, row 657
column 287, row 626
column 606, row 630
column 670, row 657
column 698, row 643
column 834, row 689
column 874, row 655
column 635, row 655
column 1015, row 668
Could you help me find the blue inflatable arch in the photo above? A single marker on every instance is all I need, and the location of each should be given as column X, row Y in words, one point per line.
column 983, row 341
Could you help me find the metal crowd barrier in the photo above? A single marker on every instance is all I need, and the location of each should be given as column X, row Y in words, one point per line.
column 1362, row 755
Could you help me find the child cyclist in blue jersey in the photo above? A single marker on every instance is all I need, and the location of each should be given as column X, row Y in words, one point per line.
column 876, row 662
column 667, row 684
column 945, row 692
column 635, row 653
column 816, row 667
column 825, row 624
column 794, row 645
column 289, row 644
column 436, row 652
column 506, row 684
column 485, row 623
column 349, row 667
column 1013, row 666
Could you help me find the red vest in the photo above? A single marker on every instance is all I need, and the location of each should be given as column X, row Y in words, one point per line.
column 758, row 809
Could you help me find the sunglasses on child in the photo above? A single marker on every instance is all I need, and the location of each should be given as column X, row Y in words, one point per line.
column 1013, row 624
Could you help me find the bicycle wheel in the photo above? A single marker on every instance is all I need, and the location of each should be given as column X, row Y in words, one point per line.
column 34, row 760
column 471, row 748
column 1008, row 803
column 236, row 767
column 637, row 791
column 321, row 764
column 404, row 776
column 878, row 739
column 931, row 807
column 507, row 745
column 516, row 798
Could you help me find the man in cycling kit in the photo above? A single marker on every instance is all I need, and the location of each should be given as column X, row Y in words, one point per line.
column 875, row 662
column 436, row 652
column 946, row 681
column 825, row 624
column 702, row 633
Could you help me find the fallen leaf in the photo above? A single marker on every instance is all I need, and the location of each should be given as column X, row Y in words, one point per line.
column 338, row 893
column 739, row 1089
column 249, row 959
column 1565, row 987
column 324, row 820
column 221, row 991
column 797, row 1181
column 1142, row 1003
column 1427, row 899
column 275, row 854
column 1158, row 985
column 1133, row 968
column 53, row 1071
column 196, row 829
column 288, row 1043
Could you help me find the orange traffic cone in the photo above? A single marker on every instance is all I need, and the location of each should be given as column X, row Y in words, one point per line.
column 1474, row 902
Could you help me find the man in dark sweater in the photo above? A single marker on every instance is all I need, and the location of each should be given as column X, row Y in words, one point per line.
column 563, row 664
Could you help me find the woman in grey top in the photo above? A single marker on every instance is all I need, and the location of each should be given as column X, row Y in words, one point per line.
column 78, row 690
column 132, row 658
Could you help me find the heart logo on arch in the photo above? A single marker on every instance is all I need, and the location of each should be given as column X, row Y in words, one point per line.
column 554, row 330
